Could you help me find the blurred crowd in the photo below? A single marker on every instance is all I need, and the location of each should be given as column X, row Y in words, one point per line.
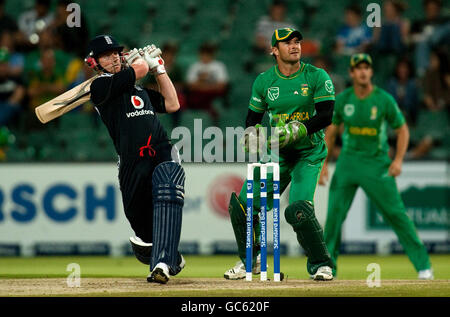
column 41, row 57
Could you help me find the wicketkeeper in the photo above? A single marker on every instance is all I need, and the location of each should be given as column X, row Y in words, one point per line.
column 299, row 99
column 151, row 182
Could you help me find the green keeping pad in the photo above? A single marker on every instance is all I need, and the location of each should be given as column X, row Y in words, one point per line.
column 239, row 222
column 300, row 215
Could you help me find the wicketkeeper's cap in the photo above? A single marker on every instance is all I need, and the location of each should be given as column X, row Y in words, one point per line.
column 285, row 34
column 101, row 44
column 360, row 58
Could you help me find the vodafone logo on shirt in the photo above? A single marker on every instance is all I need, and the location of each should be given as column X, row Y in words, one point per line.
column 137, row 102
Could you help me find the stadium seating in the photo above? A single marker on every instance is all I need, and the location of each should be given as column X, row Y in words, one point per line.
column 230, row 23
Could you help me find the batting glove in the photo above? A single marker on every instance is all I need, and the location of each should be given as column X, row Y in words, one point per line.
column 131, row 56
column 152, row 55
column 287, row 134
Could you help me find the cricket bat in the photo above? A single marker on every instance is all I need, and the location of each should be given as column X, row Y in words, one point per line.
column 65, row 102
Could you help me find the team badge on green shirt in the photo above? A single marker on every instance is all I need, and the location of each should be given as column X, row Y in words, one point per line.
column 329, row 86
column 305, row 89
column 273, row 93
column 349, row 110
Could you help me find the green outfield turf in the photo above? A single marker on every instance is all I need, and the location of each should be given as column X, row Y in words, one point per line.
column 350, row 267
column 398, row 277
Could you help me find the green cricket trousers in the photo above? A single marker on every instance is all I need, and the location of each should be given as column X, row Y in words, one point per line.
column 371, row 174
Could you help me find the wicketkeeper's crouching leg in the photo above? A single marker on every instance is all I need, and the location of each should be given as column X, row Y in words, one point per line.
column 300, row 215
column 168, row 201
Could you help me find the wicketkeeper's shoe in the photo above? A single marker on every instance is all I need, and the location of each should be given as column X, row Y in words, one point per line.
column 238, row 271
column 160, row 274
column 324, row 273
column 426, row 275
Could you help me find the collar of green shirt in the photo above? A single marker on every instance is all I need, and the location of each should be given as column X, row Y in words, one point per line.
column 374, row 87
column 292, row 76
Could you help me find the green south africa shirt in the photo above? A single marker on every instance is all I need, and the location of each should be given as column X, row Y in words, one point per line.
column 292, row 97
column 365, row 121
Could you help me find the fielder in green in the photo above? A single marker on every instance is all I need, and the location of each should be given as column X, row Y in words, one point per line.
column 299, row 99
column 365, row 110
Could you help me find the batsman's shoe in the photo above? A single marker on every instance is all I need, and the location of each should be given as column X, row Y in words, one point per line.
column 238, row 271
column 426, row 275
column 324, row 273
column 180, row 266
column 160, row 274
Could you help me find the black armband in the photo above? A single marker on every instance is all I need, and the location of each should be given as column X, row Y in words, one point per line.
column 322, row 119
column 253, row 118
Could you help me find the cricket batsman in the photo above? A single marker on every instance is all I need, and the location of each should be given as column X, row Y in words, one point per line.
column 365, row 110
column 299, row 99
column 151, row 182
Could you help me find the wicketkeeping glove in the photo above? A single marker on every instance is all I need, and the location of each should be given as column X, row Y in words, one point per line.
column 286, row 134
column 254, row 139
column 152, row 55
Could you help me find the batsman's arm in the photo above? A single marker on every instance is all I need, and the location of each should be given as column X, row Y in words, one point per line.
column 135, row 60
column 140, row 67
column 167, row 89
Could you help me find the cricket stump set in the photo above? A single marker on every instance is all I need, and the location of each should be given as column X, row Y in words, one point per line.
column 263, row 219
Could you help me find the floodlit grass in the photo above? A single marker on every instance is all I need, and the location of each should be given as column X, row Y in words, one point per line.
column 350, row 267
column 203, row 276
